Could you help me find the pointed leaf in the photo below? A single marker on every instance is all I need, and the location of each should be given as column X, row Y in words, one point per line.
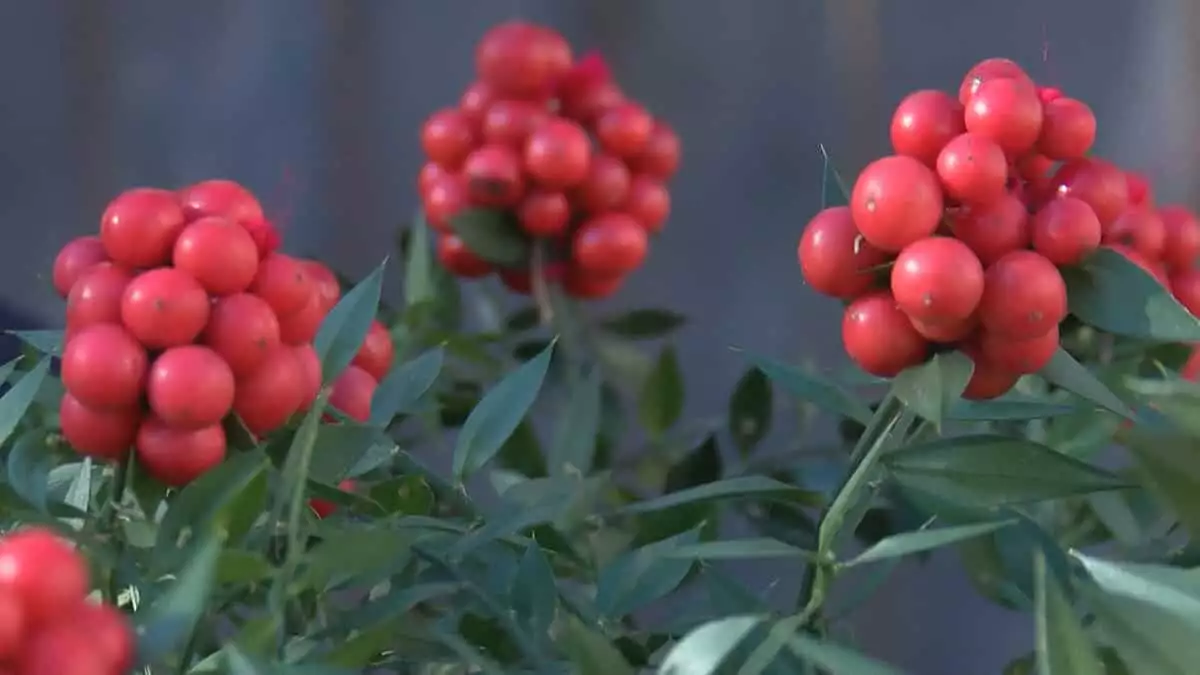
column 1173, row 589
column 590, row 651
column 704, row 650
column 641, row 324
column 933, row 388
column 1064, row 371
column 834, row 191
column 534, row 590
column 405, row 385
column 1011, row 407
column 492, row 235
column 29, row 464
column 741, row 487
column 812, row 389
column 641, row 576
column 210, row 499
column 48, row 342
column 661, row 401
column 498, row 414
column 340, row 446
column 162, row 627
column 1062, row 647
column 16, row 401
column 738, row 549
column 1168, row 467
column 837, row 659
column 750, row 409
column 344, row 328
column 907, row 543
column 1114, row 294
column 1148, row 638
column 574, row 443
column 419, row 285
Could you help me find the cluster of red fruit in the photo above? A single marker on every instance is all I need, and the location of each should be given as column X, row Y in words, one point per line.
column 987, row 196
column 47, row 624
column 182, row 311
column 557, row 145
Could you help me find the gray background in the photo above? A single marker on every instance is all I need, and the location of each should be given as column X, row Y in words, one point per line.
column 316, row 106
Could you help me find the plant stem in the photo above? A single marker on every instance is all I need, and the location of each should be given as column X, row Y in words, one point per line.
column 112, row 510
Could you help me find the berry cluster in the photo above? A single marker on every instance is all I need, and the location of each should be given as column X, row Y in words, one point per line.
column 182, row 311
column 556, row 145
column 987, row 196
column 47, row 624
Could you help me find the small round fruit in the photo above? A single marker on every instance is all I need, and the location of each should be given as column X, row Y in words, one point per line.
column 310, row 373
column 1140, row 228
column 13, row 633
column 190, row 387
column 516, row 280
column 74, row 260
column 649, row 202
column 103, row 434
column 587, row 103
column 1024, row 296
column 267, row 238
column 165, row 307
column 1049, row 94
column 96, row 296
column 64, row 650
column 352, row 393
column 301, row 327
column 323, row 508
column 583, row 286
column 924, row 123
column 1034, row 169
column 624, row 130
column 834, row 258
column 1065, row 231
column 110, row 631
column 494, row 176
column 946, row 333
column 242, row 328
column 606, row 186
column 1068, row 129
column 558, row 154
column 454, row 255
column 609, row 245
column 175, row 456
column 509, row 123
column 660, row 156
column 990, row 69
column 1138, row 187
column 544, row 213
column 973, row 169
column 447, row 137
column 139, row 227
column 1099, row 183
column 896, row 201
column 377, row 351
column 324, row 283
column 267, row 397
column 1181, row 245
column 938, row 280
column 283, row 283
column 476, row 100
column 1191, row 368
column 219, row 253
column 428, row 176
column 988, row 380
column 44, row 572
column 521, row 60
column 992, row 230
column 105, row 367
column 445, row 199
column 1021, row 357
column 879, row 337
column 220, row 198
column 1008, row 112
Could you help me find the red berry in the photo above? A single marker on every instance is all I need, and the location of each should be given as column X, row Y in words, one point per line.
column 1140, row 228
column 476, row 101
column 660, row 157
column 447, row 137
column 12, row 626
column 1035, row 169
column 606, row 186
column 986, row 70
column 283, row 283
column 175, row 456
column 96, row 296
column 1191, row 368
column 1068, row 129
column 1008, row 112
column 242, row 328
column 352, row 392
column 649, row 202
column 103, row 434
column 1100, row 184
column 454, row 255
column 428, row 176
column 139, row 227
column 219, row 253
column 516, row 280
column 946, row 333
column 896, row 201
column 924, row 123
column 584, row 286
column 310, row 373
column 323, row 508
column 1021, row 357
column 879, row 337
column 509, row 123
column 937, row 280
column 834, row 258
column 1065, row 231
column 1138, row 187
column 267, row 397
column 494, row 177
column 973, row 169
column 992, row 230
column 45, row 573
column 64, row 650
column 105, row 367
column 587, row 103
column 1024, row 296
column 1049, row 94
column 164, row 307
column 220, row 198
column 544, row 213
column 558, row 154
column 79, row 256
column 190, row 387
column 266, row 238
column 300, row 327
column 625, row 129
column 521, row 60
column 445, row 199
column 377, row 351
column 609, row 245
column 324, row 282
column 988, row 380
column 110, row 631
column 1182, row 240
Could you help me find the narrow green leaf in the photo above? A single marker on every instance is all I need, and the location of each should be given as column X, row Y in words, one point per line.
column 163, row 627
column 1113, row 293
column 7, row 369
column 741, row 487
column 639, row 577
column 738, row 549
column 16, row 401
column 29, row 465
column 590, row 651
column 700, row 466
column 340, row 446
column 1148, row 638
column 344, row 328
column 750, row 410
column 48, row 342
column 536, row 502
column 933, row 388
column 812, row 389
column 498, row 414
column 405, row 385
column 209, row 500
column 907, row 543
column 492, row 235
column 1011, row 407
column 1168, row 467
column 1064, row 371
column 834, row 191
column 1173, row 589
column 574, row 443
column 1062, row 647
column 704, row 650
column 534, row 590
column 641, row 324
column 661, row 400
column 347, row 555
column 419, row 285
column 236, row 567
column 837, row 659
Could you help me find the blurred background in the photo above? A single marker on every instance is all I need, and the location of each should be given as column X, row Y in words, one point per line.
column 316, row 106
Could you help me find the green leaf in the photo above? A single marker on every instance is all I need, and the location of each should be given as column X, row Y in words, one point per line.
column 404, row 387
column 1113, row 293
column 162, row 627
column 706, row 648
column 498, row 414
column 833, row 189
column 30, row 462
column 700, row 466
column 212, row 501
column 932, row 389
column 738, row 549
column 48, row 342
column 1064, row 371
column 812, row 389
column 79, row 494
column 639, row 577
column 409, row 495
column 590, row 651
column 341, row 446
column 661, row 400
column 16, row 401
column 1148, row 638
column 419, row 285
column 534, row 590
column 641, row 324
column 241, row 567
column 1011, row 407
column 907, row 543
column 347, row 555
column 532, row 503
column 837, row 659
column 1062, row 647
column 750, row 409
column 574, row 446
column 730, row 489
column 988, row 471
column 492, row 235
column 344, row 328
column 1171, row 588
column 1168, row 467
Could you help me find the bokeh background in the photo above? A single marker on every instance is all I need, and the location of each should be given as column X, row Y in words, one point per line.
column 315, row 104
